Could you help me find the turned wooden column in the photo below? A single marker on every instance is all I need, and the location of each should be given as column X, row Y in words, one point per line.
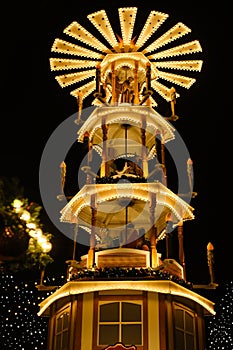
column 114, row 95
column 144, row 150
column 153, row 233
column 104, row 151
column 163, row 163
column 181, row 247
column 97, row 79
column 136, row 92
column 91, row 252
column 148, row 83
column 210, row 260
column 87, row 141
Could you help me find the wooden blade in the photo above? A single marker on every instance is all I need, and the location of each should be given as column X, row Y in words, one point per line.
column 78, row 32
column 63, row 46
column 182, row 65
column 162, row 90
column 66, row 63
column 85, row 90
column 174, row 33
column 188, row 48
column 177, row 79
column 69, row 79
column 153, row 22
column 101, row 22
column 127, row 17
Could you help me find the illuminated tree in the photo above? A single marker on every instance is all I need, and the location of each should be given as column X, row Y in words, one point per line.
column 23, row 244
column 220, row 327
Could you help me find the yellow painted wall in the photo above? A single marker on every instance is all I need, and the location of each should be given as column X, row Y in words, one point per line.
column 153, row 321
column 87, row 321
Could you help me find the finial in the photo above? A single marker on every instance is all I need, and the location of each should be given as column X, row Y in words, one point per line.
column 210, row 259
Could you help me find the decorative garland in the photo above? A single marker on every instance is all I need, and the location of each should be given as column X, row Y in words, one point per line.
column 119, row 273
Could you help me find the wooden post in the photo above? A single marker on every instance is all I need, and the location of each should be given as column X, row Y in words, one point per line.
column 210, row 259
column 136, row 92
column 144, row 155
column 181, row 247
column 63, row 175
column 97, row 80
column 113, row 83
column 87, row 141
column 153, row 233
column 163, row 162
column 42, row 277
column 104, row 151
column 91, row 252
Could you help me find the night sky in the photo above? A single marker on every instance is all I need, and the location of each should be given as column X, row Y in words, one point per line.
column 33, row 105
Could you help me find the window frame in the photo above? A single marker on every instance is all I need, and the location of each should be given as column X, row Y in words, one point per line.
column 64, row 310
column 134, row 299
column 185, row 332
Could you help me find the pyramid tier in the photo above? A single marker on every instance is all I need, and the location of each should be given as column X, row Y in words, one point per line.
column 126, row 126
column 116, row 205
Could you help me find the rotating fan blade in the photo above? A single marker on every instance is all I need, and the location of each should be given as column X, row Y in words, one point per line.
column 177, row 79
column 153, row 102
column 85, row 90
column 174, row 33
column 182, row 65
column 124, row 52
column 162, row 90
column 188, row 48
column 63, row 46
column 153, row 22
column 66, row 63
column 76, row 31
column 69, row 79
column 127, row 17
column 101, row 22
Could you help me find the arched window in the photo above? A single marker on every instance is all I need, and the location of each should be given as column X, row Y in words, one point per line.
column 61, row 329
column 185, row 338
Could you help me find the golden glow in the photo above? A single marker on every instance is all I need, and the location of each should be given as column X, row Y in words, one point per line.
column 36, row 233
column 85, row 90
column 100, row 21
column 165, row 287
column 108, row 194
column 127, row 18
column 174, row 33
column 46, row 246
column 177, row 79
column 65, row 63
column 162, row 90
column 31, row 225
column 63, row 46
column 69, row 79
column 17, row 204
column 124, row 52
column 153, row 22
column 78, row 32
column 25, row 215
column 42, row 239
column 183, row 65
column 127, row 114
column 184, row 49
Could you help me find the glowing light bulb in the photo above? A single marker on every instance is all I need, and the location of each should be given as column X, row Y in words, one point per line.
column 17, row 204
column 31, row 225
column 36, row 233
column 25, row 215
column 46, row 246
